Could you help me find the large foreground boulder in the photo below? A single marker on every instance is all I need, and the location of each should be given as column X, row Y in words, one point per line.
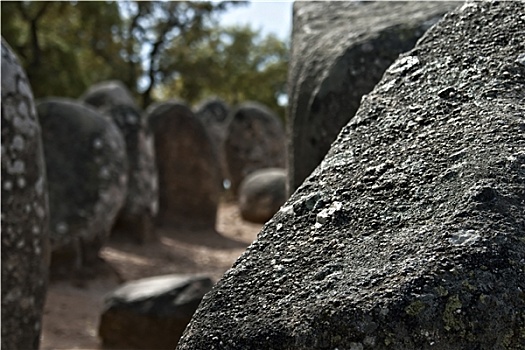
column 151, row 313
column 86, row 168
column 136, row 220
column 411, row 233
column 340, row 50
column 25, row 214
column 188, row 167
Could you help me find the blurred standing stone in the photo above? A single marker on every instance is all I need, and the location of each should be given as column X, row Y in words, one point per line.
column 214, row 113
column 255, row 139
column 25, row 213
column 136, row 218
column 262, row 193
column 106, row 94
column 87, row 174
column 188, row 168
column 340, row 50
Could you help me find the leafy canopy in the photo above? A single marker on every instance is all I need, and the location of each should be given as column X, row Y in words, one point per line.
column 160, row 49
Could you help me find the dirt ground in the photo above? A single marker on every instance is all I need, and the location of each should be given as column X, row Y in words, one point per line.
column 73, row 308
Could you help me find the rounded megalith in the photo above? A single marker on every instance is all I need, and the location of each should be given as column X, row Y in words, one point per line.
column 188, row 168
column 136, row 218
column 87, row 174
column 106, row 94
column 262, row 193
column 25, row 214
column 214, row 113
column 255, row 139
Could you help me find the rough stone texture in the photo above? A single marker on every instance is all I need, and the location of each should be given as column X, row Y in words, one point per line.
column 262, row 193
column 255, row 139
column 136, row 219
column 214, row 113
column 107, row 94
column 86, row 168
column 151, row 313
column 188, row 168
column 340, row 50
column 411, row 233
column 25, row 213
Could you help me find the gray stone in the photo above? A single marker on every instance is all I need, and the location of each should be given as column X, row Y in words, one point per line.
column 106, row 94
column 255, row 139
column 410, row 234
column 151, row 313
column 262, row 193
column 136, row 220
column 87, row 168
column 188, row 168
column 214, row 113
column 340, row 50
column 25, row 213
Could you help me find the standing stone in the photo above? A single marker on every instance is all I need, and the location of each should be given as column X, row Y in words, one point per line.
column 262, row 193
column 255, row 139
column 410, row 234
column 214, row 113
column 189, row 174
column 340, row 50
column 137, row 216
column 106, row 94
column 25, row 214
column 151, row 313
column 86, row 169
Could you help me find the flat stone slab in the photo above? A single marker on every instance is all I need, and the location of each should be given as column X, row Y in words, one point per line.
column 151, row 313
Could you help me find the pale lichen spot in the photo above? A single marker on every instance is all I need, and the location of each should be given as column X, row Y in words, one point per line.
column 39, row 186
column 8, row 185
column 18, row 143
column 61, row 228
column 21, row 182
column 98, row 143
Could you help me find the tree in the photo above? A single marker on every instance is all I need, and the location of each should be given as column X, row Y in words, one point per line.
column 154, row 47
column 61, row 44
column 234, row 63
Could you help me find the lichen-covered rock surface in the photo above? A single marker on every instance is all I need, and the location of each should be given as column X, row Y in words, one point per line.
column 86, row 167
column 25, row 213
column 136, row 220
column 411, row 233
column 340, row 50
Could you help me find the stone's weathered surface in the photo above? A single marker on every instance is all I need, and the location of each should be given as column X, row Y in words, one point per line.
column 107, row 94
column 255, row 139
column 87, row 168
column 410, row 235
column 262, row 193
column 136, row 219
column 25, row 214
column 188, row 168
column 340, row 50
column 151, row 313
column 214, row 113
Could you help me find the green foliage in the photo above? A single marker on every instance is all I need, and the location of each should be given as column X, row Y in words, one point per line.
column 236, row 64
column 157, row 48
column 58, row 43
